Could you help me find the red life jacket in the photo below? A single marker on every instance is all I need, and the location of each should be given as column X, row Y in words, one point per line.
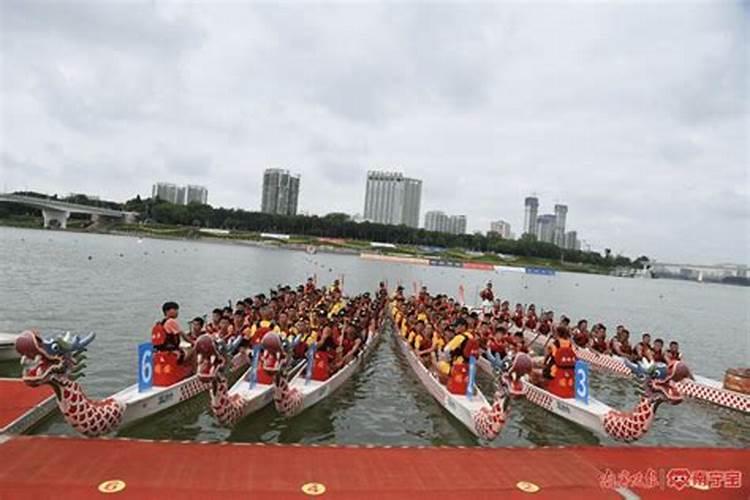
column 531, row 322
column 459, row 379
column 581, row 339
column 544, row 328
column 599, row 345
column 321, row 370
column 161, row 339
column 565, row 356
column 659, row 356
column 518, row 320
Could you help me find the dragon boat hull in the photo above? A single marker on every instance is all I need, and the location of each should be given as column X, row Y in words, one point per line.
column 461, row 407
column 699, row 388
column 141, row 405
column 312, row 392
column 585, row 415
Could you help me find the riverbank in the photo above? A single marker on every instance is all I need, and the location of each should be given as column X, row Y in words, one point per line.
column 455, row 257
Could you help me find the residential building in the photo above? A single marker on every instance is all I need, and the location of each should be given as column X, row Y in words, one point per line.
column 571, row 241
column 196, row 194
column 561, row 212
column 531, row 205
column 545, row 228
column 179, row 195
column 502, row 228
column 437, row 220
column 391, row 198
column 165, row 191
column 280, row 192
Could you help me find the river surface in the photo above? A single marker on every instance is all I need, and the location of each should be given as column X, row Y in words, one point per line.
column 114, row 285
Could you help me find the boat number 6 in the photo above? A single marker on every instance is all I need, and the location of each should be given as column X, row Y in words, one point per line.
column 145, row 366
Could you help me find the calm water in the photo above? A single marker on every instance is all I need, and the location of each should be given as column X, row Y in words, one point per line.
column 47, row 281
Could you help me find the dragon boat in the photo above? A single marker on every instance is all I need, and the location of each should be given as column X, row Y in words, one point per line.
column 60, row 361
column 470, row 407
column 250, row 393
column 296, row 390
column 693, row 386
column 595, row 415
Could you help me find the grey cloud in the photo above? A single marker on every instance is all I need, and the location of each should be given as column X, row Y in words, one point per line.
column 633, row 114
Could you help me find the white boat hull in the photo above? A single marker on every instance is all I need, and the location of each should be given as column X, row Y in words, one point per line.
column 461, row 407
column 586, row 415
column 314, row 391
column 140, row 405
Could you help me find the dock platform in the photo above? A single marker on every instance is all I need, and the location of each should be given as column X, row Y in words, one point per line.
column 58, row 467
column 22, row 407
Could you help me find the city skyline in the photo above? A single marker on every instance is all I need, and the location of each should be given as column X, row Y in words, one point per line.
column 173, row 92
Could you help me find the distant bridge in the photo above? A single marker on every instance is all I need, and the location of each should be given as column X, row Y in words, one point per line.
column 56, row 213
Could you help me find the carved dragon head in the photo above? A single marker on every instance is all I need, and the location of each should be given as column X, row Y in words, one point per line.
column 44, row 361
column 660, row 388
column 214, row 356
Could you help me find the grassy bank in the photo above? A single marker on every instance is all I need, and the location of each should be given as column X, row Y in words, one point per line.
column 297, row 242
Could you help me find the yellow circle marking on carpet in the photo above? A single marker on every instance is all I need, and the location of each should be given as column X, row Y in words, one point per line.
column 313, row 489
column 111, row 486
column 527, row 487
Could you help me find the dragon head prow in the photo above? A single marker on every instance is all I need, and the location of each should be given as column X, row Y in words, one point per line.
column 214, row 355
column 44, row 359
column 666, row 389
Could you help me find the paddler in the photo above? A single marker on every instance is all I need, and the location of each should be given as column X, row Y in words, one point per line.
column 560, row 363
column 487, row 294
column 166, row 333
column 264, row 325
column 531, row 319
column 620, row 345
column 673, row 353
column 518, row 316
column 581, row 334
column 657, row 352
column 643, row 348
column 599, row 342
column 213, row 326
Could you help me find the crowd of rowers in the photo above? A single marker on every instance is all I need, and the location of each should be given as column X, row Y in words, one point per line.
column 444, row 334
column 304, row 317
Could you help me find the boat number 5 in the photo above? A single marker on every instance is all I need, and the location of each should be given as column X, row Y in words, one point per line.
column 582, row 381
column 145, row 366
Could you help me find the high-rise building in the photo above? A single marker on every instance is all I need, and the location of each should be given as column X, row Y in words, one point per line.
column 571, row 240
column 280, row 192
column 435, row 220
column 391, row 198
column 196, row 194
column 531, row 205
column 501, row 227
column 561, row 212
column 165, row 191
column 457, row 224
column 545, row 228
column 179, row 195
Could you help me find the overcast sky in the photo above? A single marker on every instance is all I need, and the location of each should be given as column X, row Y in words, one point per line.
column 634, row 115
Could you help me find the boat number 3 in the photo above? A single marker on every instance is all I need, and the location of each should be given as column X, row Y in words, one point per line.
column 582, row 381
column 145, row 366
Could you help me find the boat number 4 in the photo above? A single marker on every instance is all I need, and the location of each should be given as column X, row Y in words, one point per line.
column 145, row 366
column 582, row 381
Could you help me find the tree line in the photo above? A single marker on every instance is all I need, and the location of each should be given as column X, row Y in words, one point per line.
column 339, row 225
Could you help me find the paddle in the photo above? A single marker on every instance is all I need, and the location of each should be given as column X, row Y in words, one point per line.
column 310, row 360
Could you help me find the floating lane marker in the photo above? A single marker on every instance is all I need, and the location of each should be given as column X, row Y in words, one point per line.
column 111, row 486
column 313, row 489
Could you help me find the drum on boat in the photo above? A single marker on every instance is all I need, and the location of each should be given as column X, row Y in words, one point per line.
column 737, row 379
